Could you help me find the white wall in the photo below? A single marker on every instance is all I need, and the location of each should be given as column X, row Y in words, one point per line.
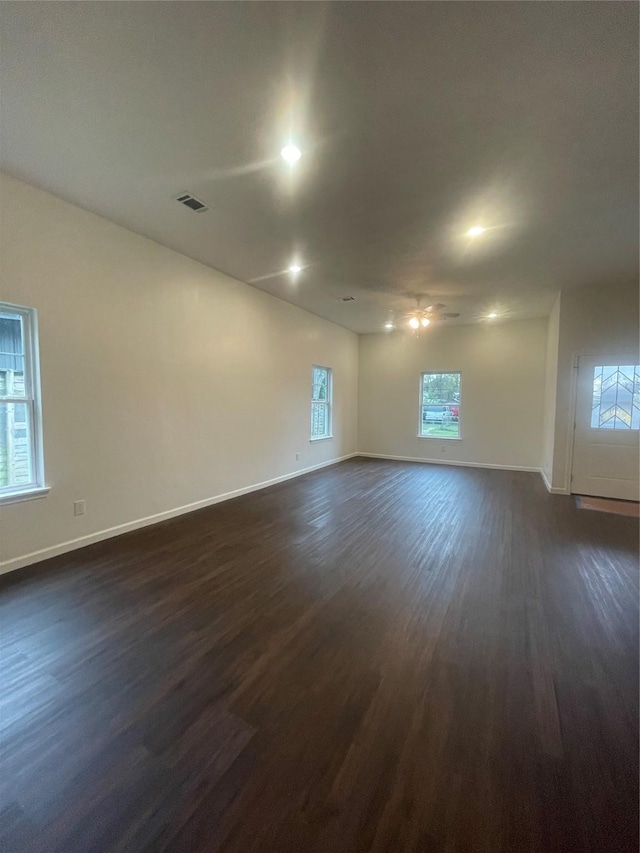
column 602, row 319
column 164, row 383
column 550, row 390
column 503, row 386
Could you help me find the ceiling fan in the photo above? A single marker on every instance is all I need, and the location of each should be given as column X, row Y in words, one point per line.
column 423, row 317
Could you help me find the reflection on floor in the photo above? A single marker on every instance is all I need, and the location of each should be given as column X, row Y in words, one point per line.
column 628, row 508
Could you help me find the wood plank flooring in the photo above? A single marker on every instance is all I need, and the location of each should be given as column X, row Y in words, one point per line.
column 375, row 657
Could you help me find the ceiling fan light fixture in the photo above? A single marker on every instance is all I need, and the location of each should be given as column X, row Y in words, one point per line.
column 424, row 317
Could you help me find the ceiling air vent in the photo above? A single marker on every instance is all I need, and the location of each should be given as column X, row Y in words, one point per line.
column 192, row 202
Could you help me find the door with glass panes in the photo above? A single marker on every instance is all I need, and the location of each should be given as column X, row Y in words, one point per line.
column 606, row 454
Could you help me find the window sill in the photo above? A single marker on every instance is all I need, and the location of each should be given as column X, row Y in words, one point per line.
column 442, row 437
column 322, row 438
column 25, row 495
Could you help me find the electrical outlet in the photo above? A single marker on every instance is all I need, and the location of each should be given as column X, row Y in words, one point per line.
column 297, row 457
column 79, row 507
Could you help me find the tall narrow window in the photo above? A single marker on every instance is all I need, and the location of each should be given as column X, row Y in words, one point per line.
column 439, row 405
column 21, row 464
column 321, row 391
column 616, row 397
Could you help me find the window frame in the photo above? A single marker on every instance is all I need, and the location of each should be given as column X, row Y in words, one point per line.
column 328, row 403
column 32, row 398
column 420, row 405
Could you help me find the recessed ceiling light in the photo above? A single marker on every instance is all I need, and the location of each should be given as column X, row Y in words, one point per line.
column 492, row 316
column 291, row 153
column 295, row 268
column 414, row 323
column 388, row 325
column 476, row 231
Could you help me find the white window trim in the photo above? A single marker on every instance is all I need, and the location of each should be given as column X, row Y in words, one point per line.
column 31, row 493
column 37, row 488
column 328, row 403
column 420, row 404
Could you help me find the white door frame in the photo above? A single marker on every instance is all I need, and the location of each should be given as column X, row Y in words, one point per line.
column 573, row 399
column 571, row 430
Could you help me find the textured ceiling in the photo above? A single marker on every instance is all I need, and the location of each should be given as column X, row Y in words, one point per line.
column 416, row 122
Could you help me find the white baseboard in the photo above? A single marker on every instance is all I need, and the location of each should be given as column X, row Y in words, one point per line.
column 127, row 527
column 450, row 462
column 554, row 490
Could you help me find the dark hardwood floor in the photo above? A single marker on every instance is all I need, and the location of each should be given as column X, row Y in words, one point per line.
column 375, row 657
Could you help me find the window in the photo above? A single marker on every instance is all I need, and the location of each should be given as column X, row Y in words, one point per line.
column 615, row 403
column 439, row 405
column 21, row 466
column 321, row 402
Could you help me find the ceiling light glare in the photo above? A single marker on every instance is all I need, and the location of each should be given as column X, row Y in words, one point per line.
column 476, row 231
column 388, row 325
column 291, row 154
column 294, row 269
column 492, row 316
column 425, row 321
column 414, row 323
